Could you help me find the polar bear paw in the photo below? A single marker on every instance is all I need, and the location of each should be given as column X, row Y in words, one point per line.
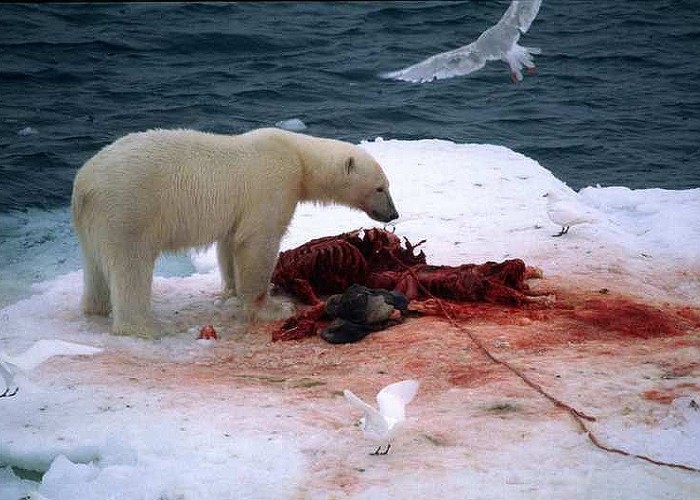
column 148, row 329
column 272, row 309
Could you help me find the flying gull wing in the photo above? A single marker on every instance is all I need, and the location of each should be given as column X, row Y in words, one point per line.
column 374, row 421
column 393, row 399
column 521, row 13
column 457, row 62
column 500, row 41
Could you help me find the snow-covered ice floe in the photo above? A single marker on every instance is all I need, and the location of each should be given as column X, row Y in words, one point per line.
column 176, row 418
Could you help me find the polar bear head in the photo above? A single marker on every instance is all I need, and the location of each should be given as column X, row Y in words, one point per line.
column 340, row 172
column 367, row 188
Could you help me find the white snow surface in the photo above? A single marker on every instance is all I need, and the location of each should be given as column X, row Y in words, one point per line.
column 77, row 432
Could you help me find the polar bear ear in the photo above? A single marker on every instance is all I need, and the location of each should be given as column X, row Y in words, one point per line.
column 349, row 165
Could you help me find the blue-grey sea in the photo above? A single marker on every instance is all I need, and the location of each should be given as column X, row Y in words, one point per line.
column 615, row 100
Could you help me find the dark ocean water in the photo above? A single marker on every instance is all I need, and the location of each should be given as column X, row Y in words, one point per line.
column 615, row 101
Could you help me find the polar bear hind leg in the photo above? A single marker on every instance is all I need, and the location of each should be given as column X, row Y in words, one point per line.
column 96, row 298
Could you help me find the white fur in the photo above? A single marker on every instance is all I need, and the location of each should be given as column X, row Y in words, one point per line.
column 167, row 190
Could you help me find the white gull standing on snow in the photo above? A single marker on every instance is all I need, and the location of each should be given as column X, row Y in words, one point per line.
column 498, row 42
column 382, row 425
column 566, row 212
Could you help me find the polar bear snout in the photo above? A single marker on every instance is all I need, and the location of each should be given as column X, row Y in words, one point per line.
column 383, row 218
column 383, row 209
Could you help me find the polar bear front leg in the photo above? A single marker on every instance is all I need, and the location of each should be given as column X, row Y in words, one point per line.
column 131, row 277
column 224, row 252
column 254, row 261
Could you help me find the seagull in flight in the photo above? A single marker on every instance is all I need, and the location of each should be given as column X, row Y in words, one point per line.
column 382, row 425
column 500, row 41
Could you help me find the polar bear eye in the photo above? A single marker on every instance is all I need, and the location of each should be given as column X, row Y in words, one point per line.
column 380, row 190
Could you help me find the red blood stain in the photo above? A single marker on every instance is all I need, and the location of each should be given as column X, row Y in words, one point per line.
column 681, row 370
column 466, row 376
column 668, row 395
column 301, row 325
column 619, row 317
column 436, row 341
column 663, row 396
column 573, row 317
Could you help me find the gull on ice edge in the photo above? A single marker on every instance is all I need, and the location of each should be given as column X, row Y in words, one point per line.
column 41, row 351
column 566, row 213
column 500, row 41
column 381, row 426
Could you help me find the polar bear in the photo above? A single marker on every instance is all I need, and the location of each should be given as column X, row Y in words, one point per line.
column 168, row 190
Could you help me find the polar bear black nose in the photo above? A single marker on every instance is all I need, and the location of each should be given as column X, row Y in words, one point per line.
column 384, row 218
column 391, row 212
